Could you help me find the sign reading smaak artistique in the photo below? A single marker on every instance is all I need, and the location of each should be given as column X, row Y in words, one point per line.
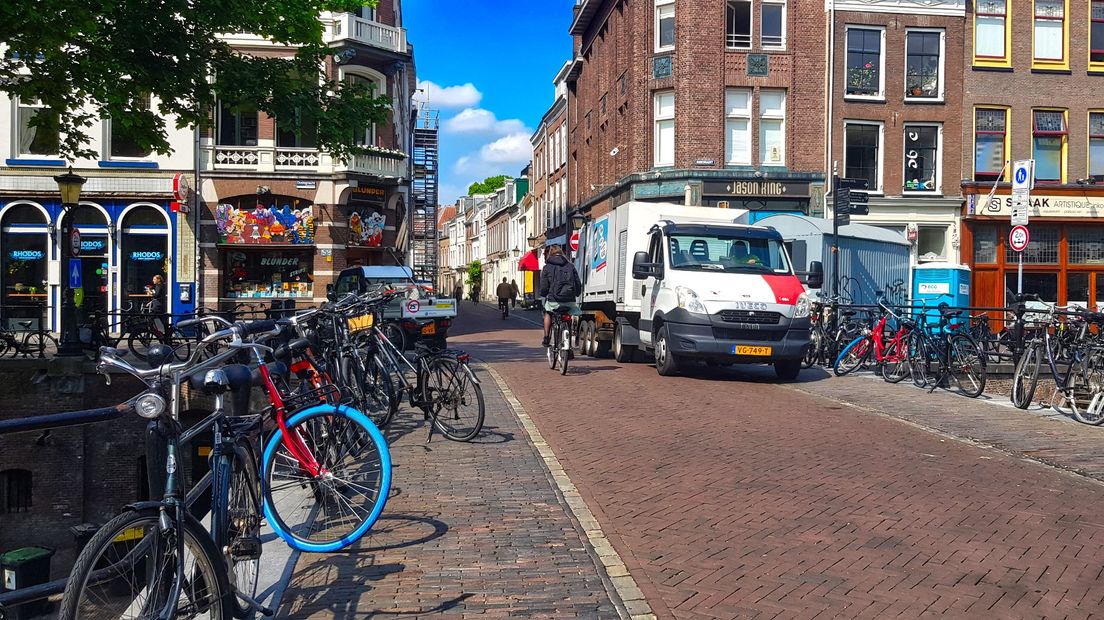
column 756, row 189
column 1038, row 205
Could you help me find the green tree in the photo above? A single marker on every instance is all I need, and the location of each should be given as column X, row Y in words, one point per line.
column 88, row 58
column 488, row 185
column 475, row 274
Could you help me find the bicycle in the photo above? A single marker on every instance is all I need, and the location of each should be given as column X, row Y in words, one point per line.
column 1079, row 390
column 145, row 332
column 891, row 356
column 33, row 343
column 559, row 349
column 504, row 307
column 953, row 351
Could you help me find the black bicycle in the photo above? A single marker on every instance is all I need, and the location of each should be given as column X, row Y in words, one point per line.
column 558, row 350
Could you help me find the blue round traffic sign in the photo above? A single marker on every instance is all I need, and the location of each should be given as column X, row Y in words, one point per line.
column 1021, row 175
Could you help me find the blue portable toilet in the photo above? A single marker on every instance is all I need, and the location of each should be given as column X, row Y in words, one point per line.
column 938, row 283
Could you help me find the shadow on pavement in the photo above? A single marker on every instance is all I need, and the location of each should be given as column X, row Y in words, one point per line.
column 393, row 531
column 491, row 435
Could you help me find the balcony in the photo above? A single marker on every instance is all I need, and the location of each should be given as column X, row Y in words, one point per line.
column 376, row 165
column 279, row 159
column 346, row 26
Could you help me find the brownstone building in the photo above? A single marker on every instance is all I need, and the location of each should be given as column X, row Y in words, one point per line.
column 549, row 167
column 708, row 102
column 1034, row 89
column 895, row 110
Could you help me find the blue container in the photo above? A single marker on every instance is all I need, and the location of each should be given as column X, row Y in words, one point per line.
column 939, row 283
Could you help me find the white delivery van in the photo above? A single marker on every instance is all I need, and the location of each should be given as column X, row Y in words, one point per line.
column 685, row 283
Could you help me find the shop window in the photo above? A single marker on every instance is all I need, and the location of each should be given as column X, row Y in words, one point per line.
column 1042, row 249
column 664, row 25
column 772, row 127
column 1086, row 245
column 287, row 220
column 269, row 274
column 922, row 158
column 1045, row 285
column 985, row 244
column 664, row 128
column 1096, row 146
column 931, row 243
column 125, row 139
column 864, row 62
column 15, row 490
column 1100, row 292
column 738, row 126
column 23, row 264
column 991, row 33
column 144, row 246
column 1049, row 31
column 41, row 137
column 923, row 64
column 1077, row 289
column 1048, row 145
column 1096, row 35
column 738, row 24
column 773, row 26
column 236, row 127
column 861, row 153
column 990, row 143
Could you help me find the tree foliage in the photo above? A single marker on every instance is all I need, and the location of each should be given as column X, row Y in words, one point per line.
column 488, row 185
column 475, row 273
column 88, row 58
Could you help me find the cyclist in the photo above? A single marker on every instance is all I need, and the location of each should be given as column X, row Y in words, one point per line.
column 559, row 286
column 504, row 292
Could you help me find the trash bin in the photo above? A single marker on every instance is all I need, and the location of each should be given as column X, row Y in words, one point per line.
column 22, row 568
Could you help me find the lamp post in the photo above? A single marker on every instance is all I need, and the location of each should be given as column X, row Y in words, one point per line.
column 69, row 185
column 577, row 220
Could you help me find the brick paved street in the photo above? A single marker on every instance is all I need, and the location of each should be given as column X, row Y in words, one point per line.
column 730, row 496
column 471, row 530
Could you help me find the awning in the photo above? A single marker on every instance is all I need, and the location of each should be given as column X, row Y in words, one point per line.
column 529, row 262
column 561, row 240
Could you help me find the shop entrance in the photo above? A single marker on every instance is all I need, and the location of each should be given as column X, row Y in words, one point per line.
column 92, row 225
column 144, row 254
column 24, row 244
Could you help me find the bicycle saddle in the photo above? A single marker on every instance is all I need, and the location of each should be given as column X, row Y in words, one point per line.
column 286, row 349
column 25, row 324
column 158, row 355
column 238, row 378
column 276, row 370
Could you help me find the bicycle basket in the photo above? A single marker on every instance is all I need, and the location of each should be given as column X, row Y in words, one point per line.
column 361, row 323
column 325, row 395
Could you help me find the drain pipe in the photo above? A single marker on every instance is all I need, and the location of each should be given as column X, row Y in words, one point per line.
column 830, row 76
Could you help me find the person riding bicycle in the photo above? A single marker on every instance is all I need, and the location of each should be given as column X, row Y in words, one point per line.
column 503, row 292
column 559, row 286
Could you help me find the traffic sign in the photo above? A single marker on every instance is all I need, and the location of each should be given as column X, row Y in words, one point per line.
column 859, row 198
column 1018, row 238
column 413, row 306
column 1023, row 174
column 859, row 184
column 843, row 218
column 574, row 242
column 1021, row 201
column 74, row 242
column 843, row 200
column 75, row 273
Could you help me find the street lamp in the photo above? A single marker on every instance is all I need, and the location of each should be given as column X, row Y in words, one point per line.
column 577, row 220
column 69, row 185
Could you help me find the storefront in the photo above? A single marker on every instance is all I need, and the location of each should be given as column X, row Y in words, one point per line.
column 25, row 243
column 372, row 226
column 1064, row 261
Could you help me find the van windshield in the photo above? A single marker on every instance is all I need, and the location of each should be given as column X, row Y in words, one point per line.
column 730, row 253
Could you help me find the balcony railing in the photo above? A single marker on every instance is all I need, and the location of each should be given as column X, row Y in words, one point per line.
column 268, row 159
column 376, row 165
column 368, row 32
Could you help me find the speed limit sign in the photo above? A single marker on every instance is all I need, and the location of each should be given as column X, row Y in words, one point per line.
column 1018, row 238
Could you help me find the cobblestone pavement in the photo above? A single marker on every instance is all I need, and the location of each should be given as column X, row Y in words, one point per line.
column 728, row 495
column 471, row 530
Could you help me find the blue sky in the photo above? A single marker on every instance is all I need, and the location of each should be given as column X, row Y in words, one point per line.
column 487, row 65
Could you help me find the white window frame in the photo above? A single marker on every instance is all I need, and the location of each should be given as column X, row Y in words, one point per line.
column 744, row 115
column 106, row 154
column 946, row 244
column 662, row 6
column 656, row 121
column 774, row 117
column 881, row 62
column 942, row 66
column 751, row 27
column 785, row 16
column 17, row 125
column 367, row 74
column 880, row 190
column 938, row 191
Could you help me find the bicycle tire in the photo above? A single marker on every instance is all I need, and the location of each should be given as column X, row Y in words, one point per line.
column 111, row 557
column 1025, row 378
column 395, row 334
column 5, row 345
column 564, row 347
column 239, row 522
column 139, row 341
column 919, row 360
column 1085, row 388
column 550, row 351
column 446, row 387
column 967, row 365
column 322, row 428
column 852, row 357
column 895, row 365
column 812, row 351
column 379, row 395
column 180, row 343
column 37, row 343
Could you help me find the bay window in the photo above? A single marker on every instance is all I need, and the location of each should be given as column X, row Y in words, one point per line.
column 864, row 62
column 772, row 127
column 921, row 158
column 664, row 137
column 990, row 143
column 1048, row 145
column 1096, row 146
column 923, row 64
column 1049, row 31
column 41, row 138
column 991, row 33
column 738, row 24
column 738, row 126
column 862, row 153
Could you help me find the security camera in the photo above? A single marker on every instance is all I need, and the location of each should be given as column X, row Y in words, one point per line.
column 615, row 151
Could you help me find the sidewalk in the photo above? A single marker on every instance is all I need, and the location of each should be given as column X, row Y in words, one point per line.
column 471, row 530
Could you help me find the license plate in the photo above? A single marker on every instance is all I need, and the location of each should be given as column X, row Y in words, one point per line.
column 748, row 350
column 361, row 323
column 429, row 330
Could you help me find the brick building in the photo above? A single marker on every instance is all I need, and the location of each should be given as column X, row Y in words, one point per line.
column 279, row 218
column 549, row 167
column 705, row 102
column 1034, row 89
column 895, row 111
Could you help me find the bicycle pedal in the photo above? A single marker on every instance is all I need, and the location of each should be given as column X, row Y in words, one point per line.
column 248, row 548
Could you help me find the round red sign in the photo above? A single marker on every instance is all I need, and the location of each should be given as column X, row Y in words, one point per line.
column 574, row 242
column 413, row 306
column 1018, row 238
column 74, row 243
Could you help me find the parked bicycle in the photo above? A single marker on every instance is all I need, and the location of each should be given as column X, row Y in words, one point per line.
column 945, row 351
column 1075, row 360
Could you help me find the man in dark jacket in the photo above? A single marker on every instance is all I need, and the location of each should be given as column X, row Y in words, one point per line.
column 503, row 293
column 559, row 286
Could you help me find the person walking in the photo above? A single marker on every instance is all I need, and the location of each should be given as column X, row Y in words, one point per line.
column 156, row 291
column 504, row 291
column 458, row 292
column 475, row 293
column 514, row 292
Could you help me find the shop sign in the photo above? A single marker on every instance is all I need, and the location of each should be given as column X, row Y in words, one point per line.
column 1040, row 206
column 93, row 245
column 366, row 231
column 306, row 185
column 147, row 256
column 280, row 261
column 27, row 255
column 265, row 224
column 759, row 189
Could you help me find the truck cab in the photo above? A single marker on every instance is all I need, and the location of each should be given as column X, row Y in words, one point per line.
column 419, row 313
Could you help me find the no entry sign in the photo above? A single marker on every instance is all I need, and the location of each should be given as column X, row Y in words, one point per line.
column 574, row 242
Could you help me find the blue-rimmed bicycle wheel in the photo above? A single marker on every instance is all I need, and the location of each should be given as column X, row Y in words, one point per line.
column 852, row 356
column 334, row 509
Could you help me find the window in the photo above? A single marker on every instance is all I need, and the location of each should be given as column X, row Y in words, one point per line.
column 1042, row 249
column 366, row 12
column 1096, row 34
column 923, row 64
column 665, row 26
column 294, row 134
column 42, row 137
column 738, row 24
column 1049, row 31
column 602, row 105
column 236, row 127
column 990, row 143
column 985, row 243
column 268, row 274
column 367, row 136
column 772, row 127
column 621, row 84
column 922, row 158
column 861, row 153
column 1086, row 246
column 864, row 62
column 124, row 139
column 991, row 33
column 772, row 29
column 738, row 126
column 665, row 128
column 1048, row 145
column 931, row 243
column 1096, row 146
column 15, row 490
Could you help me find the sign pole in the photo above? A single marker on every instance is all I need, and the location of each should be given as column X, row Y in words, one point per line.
column 835, row 232
column 1019, row 275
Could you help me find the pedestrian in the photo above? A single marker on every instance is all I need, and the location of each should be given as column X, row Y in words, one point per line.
column 156, row 291
column 514, row 292
column 458, row 292
column 504, row 292
column 475, row 293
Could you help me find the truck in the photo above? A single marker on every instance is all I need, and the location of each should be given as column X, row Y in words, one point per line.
column 420, row 313
column 683, row 283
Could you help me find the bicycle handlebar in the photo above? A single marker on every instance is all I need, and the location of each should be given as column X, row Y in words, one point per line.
column 69, row 418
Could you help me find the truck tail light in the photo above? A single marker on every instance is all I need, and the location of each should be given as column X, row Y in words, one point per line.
column 445, row 323
column 408, row 324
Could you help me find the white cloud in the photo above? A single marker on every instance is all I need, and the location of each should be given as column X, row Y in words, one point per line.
column 480, row 121
column 512, row 149
column 460, row 96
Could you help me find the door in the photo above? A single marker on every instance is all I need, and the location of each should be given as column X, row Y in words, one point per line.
column 649, row 288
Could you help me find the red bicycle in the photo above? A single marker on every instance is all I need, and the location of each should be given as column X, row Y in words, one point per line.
column 891, row 355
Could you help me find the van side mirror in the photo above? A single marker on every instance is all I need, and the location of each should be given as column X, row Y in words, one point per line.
column 642, row 269
column 815, row 276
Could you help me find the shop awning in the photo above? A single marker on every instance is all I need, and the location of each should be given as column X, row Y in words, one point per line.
column 529, row 262
column 561, row 240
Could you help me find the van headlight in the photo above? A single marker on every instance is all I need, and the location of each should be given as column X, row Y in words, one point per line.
column 801, row 309
column 689, row 300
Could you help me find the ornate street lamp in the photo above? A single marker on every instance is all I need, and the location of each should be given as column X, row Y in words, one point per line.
column 69, row 185
column 577, row 220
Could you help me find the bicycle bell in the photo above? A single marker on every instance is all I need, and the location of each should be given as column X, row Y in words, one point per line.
column 159, row 354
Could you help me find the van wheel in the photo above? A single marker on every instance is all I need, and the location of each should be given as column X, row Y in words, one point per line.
column 622, row 353
column 667, row 363
column 787, row 370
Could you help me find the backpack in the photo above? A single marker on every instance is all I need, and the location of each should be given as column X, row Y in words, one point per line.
column 565, row 286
